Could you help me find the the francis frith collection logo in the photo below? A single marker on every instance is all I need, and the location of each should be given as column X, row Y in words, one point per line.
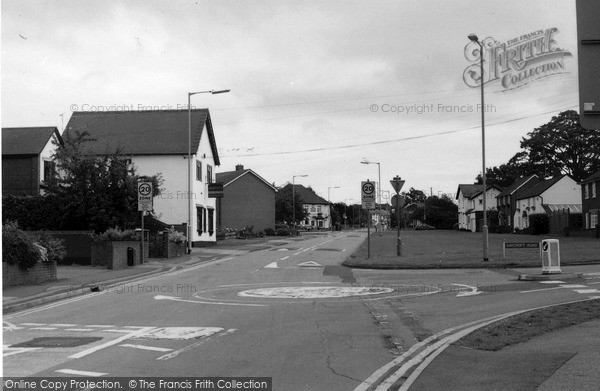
column 516, row 62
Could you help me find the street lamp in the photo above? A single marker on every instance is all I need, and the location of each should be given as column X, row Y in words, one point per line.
column 294, row 198
column 189, row 227
column 378, row 192
column 329, row 203
column 484, row 228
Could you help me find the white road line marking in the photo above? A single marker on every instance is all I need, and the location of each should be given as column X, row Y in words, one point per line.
column 111, row 343
column 144, row 347
column 80, row 330
column 189, row 347
column 587, row 291
column 472, row 290
column 117, row 331
column 284, row 258
column 174, row 298
column 108, row 326
column 8, row 351
column 591, row 283
column 33, row 324
column 44, row 328
column 542, row 290
column 63, row 325
column 552, row 282
column 272, row 265
column 573, row 286
column 82, row 373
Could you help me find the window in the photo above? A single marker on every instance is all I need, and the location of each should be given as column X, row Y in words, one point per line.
column 592, row 190
column 211, row 226
column 209, row 174
column 49, row 170
column 319, row 209
column 313, row 209
column 198, row 170
column 199, row 216
column 593, row 218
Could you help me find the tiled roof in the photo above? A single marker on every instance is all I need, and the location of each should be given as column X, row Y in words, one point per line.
column 519, row 183
column 27, row 141
column 538, row 188
column 468, row 190
column 230, row 176
column 591, row 178
column 308, row 196
column 160, row 132
column 488, row 188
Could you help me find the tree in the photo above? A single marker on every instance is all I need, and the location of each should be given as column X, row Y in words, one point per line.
column 283, row 206
column 414, row 196
column 442, row 212
column 96, row 192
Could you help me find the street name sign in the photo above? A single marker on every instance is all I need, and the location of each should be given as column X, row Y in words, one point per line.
column 144, row 196
column 367, row 189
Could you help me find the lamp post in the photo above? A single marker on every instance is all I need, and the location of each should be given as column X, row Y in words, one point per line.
column 294, row 198
column 378, row 192
column 329, row 203
column 189, row 222
column 484, row 228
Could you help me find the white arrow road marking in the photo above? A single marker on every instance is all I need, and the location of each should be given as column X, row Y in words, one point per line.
column 174, row 298
column 272, row 265
column 144, row 347
column 10, row 327
column 189, row 347
column 472, row 291
column 111, row 343
column 309, row 264
column 8, row 351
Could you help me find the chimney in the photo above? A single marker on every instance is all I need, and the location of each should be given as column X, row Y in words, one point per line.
column 239, row 167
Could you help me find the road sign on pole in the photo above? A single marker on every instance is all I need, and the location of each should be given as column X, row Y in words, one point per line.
column 367, row 189
column 145, row 191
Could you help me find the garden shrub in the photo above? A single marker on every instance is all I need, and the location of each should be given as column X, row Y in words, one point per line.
column 539, row 223
column 269, row 232
column 17, row 247
column 117, row 234
column 56, row 251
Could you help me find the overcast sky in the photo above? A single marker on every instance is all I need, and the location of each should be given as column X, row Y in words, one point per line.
column 316, row 86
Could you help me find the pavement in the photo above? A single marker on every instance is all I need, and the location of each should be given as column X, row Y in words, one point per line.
column 567, row 359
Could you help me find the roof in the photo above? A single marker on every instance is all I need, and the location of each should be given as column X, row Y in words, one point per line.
column 553, row 208
column 468, row 190
column 308, row 196
column 519, row 183
column 27, row 141
column 231, row 176
column 591, row 178
column 156, row 132
column 488, row 188
column 538, row 188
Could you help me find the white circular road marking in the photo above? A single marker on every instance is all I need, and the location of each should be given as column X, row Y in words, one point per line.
column 321, row 292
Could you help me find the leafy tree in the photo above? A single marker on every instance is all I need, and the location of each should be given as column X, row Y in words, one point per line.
column 414, row 196
column 284, row 206
column 440, row 212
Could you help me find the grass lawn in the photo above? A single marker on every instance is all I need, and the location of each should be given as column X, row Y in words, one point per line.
column 522, row 327
column 458, row 249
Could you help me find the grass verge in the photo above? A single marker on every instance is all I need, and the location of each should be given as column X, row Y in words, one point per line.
column 521, row 328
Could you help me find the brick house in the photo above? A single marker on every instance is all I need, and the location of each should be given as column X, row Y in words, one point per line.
column 248, row 200
column 157, row 142
column 590, row 200
column 27, row 159
column 506, row 201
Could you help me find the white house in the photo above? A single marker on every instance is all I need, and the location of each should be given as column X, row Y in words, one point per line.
column 470, row 204
column 157, row 142
column 319, row 212
column 546, row 196
column 27, row 159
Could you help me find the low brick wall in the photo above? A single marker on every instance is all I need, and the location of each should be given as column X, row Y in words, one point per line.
column 12, row 275
column 113, row 254
column 175, row 249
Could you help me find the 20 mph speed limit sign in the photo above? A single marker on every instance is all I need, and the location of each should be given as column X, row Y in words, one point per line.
column 144, row 196
column 367, row 189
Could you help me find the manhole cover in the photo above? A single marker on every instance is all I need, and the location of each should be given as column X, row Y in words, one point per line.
column 56, row 342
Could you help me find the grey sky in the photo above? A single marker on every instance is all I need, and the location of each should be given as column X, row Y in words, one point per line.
column 304, row 76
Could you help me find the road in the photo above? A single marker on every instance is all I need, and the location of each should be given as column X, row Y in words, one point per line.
column 291, row 313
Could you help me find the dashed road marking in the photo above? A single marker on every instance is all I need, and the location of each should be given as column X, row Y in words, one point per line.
column 80, row 330
column 587, row 291
column 81, row 373
column 552, row 282
column 144, row 347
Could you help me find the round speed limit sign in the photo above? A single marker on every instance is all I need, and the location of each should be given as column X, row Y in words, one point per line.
column 145, row 189
column 368, row 188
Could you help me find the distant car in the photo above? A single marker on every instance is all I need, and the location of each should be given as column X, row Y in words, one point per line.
column 423, row 227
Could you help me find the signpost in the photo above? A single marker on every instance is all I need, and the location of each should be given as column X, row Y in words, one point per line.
column 367, row 190
column 145, row 201
column 518, row 245
column 397, row 184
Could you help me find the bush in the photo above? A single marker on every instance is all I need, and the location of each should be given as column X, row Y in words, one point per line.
column 17, row 247
column 55, row 248
column 117, row 234
column 269, row 232
column 539, row 223
column 176, row 236
column 283, row 232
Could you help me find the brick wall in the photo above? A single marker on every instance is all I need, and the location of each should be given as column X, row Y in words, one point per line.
column 113, row 254
column 42, row 271
column 248, row 201
column 20, row 175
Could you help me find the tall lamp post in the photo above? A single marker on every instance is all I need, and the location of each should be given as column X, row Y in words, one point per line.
column 378, row 192
column 329, row 203
column 294, row 198
column 189, row 222
column 484, row 228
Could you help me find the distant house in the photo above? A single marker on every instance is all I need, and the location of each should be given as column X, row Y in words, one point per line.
column 506, row 200
column 157, row 142
column 470, row 204
column 549, row 196
column 249, row 200
column 590, row 200
column 319, row 212
column 27, row 159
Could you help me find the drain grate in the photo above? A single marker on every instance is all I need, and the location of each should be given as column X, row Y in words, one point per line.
column 56, row 342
